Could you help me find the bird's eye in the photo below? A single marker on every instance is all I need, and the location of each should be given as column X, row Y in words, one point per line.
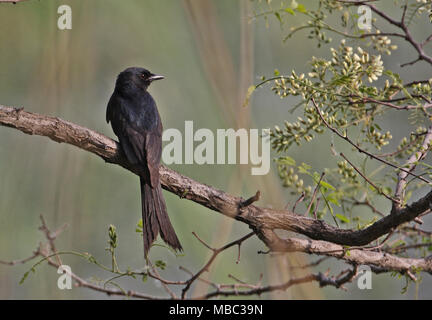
column 143, row 75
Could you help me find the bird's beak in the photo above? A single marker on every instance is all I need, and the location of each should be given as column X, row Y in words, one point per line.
column 156, row 77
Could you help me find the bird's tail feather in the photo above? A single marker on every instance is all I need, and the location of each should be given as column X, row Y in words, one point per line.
column 155, row 218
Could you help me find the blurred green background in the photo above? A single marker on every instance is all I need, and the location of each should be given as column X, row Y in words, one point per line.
column 210, row 52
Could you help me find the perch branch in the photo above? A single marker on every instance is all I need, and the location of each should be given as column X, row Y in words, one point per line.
column 260, row 220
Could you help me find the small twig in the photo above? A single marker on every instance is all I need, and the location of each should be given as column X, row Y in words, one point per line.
column 51, row 236
column 405, row 7
column 35, row 254
column 216, row 252
column 426, row 41
column 203, row 242
column 368, row 204
column 410, row 63
column 418, row 220
column 79, row 282
column 391, row 154
column 411, row 276
column 338, row 281
column 251, row 200
column 316, row 208
column 368, row 180
column 418, row 231
column 260, row 290
column 300, row 199
column 167, row 289
column 344, row 137
column 407, row 247
column 314, row 195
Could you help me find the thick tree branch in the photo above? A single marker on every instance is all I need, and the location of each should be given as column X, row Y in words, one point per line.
column 412, row 163
column 357, row 256
column 261, row 220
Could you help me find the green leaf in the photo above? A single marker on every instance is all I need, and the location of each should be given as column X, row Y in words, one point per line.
column 327, row 185
column 112, row 233
column 278, row 16
column 426, row 165
column 371, row 222
column 304, row 168
column 386, row 190
column 249, row 93
column 24, row 277
column 139, row 228
column 342, row 218
column 160, row 264
column 290, row 11
column 344, row 79
column 301, row 8
column 91, row 259
column 333, row 198
column 286, row 160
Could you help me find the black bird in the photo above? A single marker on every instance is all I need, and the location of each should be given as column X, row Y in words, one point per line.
column 136, row 122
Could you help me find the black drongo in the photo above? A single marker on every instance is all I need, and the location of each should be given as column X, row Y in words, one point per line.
column 136, row 122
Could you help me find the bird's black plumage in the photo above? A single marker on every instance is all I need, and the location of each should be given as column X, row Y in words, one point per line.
column 136, row 122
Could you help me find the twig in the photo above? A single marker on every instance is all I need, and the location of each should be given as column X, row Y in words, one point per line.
column 260, row 290
column 216, row 252
column 368, row 204
column 344, row 137
column 337, row 281
column 368, row 180
column 35, row 254
column 300, row 199
column 314, row 195
column 251, row 200
column 164, row 284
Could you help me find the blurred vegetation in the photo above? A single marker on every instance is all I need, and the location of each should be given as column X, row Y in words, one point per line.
column 210, row 53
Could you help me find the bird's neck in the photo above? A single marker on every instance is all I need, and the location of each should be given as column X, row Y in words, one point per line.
column 130, row 90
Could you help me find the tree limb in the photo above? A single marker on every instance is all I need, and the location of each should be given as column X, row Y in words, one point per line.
column 261, row 220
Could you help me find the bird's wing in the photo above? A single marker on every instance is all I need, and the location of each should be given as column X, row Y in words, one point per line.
column 139, row 144
column 147, row 148
column 153, row 149
column 110, row 108
column 120, row 123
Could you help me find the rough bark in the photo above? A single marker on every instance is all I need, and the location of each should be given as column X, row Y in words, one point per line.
column 326, row 239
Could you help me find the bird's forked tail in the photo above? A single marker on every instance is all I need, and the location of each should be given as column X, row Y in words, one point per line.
column 155, row 218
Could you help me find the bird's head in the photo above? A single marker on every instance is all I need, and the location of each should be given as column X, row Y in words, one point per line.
column 135, row 78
